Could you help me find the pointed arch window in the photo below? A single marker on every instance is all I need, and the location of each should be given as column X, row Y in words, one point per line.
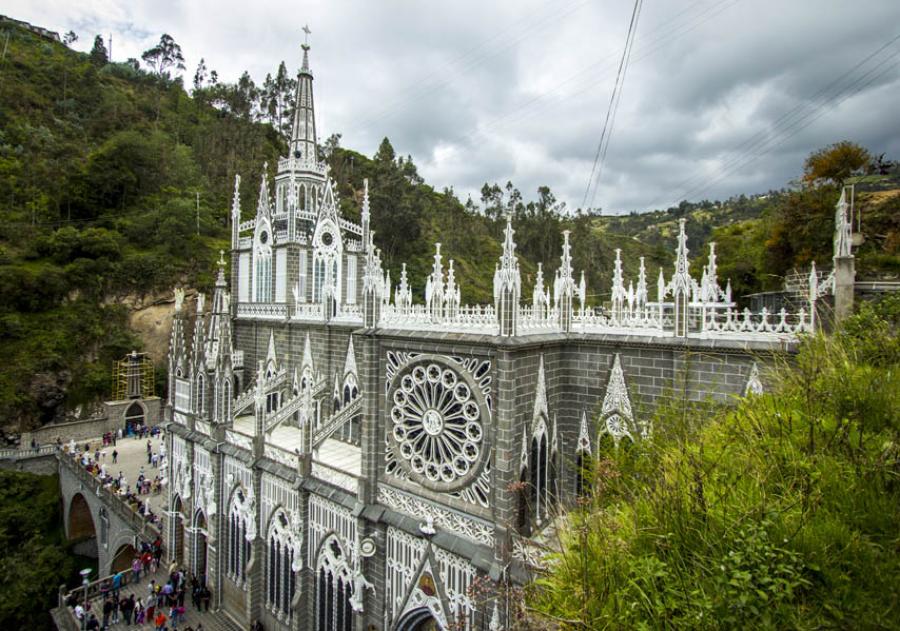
column 334, row 587
column 281, row 561
column 200, row 402
column 238, row 545
column 227, row 399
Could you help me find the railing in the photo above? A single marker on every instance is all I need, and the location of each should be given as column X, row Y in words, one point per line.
column 91, row 592
column 465, row 319
column 336, row 477
column 262, row 310
column 647, row 321
column 308, row 311
column 140, row 524
column 763, row 323
column 27, row 452
column 335, row 421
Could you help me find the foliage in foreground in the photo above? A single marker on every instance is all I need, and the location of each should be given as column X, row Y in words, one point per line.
column 783, row 512
column 36, row 559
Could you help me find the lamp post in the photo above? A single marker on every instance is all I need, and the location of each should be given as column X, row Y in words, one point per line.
column 85, row 582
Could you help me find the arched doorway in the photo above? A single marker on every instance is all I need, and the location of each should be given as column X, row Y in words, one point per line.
column 199, row 547
column 134, row 416
column 177, row 530
column 122, row 560
column 420, row 619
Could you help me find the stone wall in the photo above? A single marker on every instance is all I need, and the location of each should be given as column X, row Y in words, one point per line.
column 90, row 428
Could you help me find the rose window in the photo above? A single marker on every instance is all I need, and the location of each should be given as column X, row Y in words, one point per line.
column 437, row 424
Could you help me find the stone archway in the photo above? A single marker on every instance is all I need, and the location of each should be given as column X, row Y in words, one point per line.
column 81, row 521
column 122, row 559
column 134, row 415
column 80, row 527
column 420, row 619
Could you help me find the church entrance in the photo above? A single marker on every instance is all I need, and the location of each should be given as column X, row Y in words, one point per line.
column 419, row 620
column 134, row 416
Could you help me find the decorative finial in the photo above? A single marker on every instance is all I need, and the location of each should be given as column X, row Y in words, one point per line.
column 306, row 35
column 221, row 258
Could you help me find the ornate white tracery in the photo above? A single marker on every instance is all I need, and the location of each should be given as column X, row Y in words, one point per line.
column 453, row 521
column 617, row 418
column 439, row 418
column 241, row 531
column 283, row 559
column 334, row 587
column 754, row 383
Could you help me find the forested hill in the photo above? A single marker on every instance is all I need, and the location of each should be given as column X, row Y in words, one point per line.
column 116, row 182
column 100, row 169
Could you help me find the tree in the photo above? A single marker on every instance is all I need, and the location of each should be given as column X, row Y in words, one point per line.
column 200, row 76
column 70, row 38
column 835, row 163
column 166, row 54
column 98, row 55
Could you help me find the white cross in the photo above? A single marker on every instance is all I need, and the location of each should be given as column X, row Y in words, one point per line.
column 307, row 31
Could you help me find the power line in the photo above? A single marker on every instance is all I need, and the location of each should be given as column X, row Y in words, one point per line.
column 796, row 120
column 612, row 98
column 552, row 96
column 784, row 119
column 629, row 46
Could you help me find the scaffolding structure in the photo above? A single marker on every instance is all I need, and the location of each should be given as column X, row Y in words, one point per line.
column 133, row 377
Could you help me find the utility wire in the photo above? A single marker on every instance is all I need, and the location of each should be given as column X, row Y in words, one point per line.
column 612, row 122
column 554, row 95
column 612, row 97
column 796, row 120
column 784, row 120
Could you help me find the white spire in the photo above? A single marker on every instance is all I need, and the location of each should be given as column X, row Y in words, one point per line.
column 754, row 384
column 451, row 292
column 842, row 227
column 618, row 296
column 403, row 295
column 540, row 393
column 584, row 436
column 681, row 280
column 539, row 297
column 263, row 204
column 236, row 200
column 350, row 361
column 434, row 287
column 307, row 361
column 303, row 131
column 640, row 295
column 271, row 358
column 564, row 284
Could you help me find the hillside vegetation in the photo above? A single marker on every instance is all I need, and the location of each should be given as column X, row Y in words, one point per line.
column 781, row 513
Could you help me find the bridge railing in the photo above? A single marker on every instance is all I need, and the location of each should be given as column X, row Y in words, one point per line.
column 142, row 526
column 21, row 453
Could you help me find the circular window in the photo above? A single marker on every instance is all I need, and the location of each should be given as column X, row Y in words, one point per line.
column 263, row 237
column 327, row 239
column 437, row 422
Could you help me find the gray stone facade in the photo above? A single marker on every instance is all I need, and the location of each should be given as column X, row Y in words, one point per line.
column 343, row 457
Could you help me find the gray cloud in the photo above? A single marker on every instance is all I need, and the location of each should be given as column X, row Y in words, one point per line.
column 518, row 89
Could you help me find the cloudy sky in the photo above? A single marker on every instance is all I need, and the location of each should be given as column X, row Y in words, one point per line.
column 721, row 96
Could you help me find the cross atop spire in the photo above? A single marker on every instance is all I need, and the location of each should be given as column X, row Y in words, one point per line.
column 303, row 131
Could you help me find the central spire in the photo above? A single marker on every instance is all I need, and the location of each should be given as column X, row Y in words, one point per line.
column 303, row 131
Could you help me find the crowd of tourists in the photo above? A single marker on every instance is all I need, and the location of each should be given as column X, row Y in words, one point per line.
column 158, row 606
column 97, row 460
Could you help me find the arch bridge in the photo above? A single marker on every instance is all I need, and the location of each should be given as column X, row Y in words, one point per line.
column 101, row 523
